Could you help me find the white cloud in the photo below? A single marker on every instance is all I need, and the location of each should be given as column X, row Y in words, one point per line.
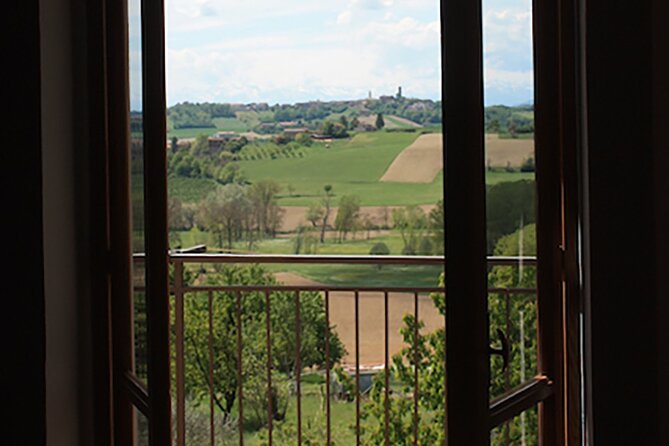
column 264, row 50
column 406, row 32
column 344, row 18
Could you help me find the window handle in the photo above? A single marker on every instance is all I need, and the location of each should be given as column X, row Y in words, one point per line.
column 503, row 351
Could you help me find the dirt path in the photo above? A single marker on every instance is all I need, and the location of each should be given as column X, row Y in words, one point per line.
column 371, row 322
column 418, row 163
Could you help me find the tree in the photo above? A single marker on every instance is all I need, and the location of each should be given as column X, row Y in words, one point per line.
column 347, row 215
column 343, row 120
column 230, row 173
column 200, row 147
column 263, row 201
column 314, row 214
column 507, row 204
column 222, row 212
column 174, row 144
column 436, row 225
column 355, row 122
column 327, row 201
column 411, row 223
column 494, row 126
column 254, row 354
column 513, row 128
column 380, row 123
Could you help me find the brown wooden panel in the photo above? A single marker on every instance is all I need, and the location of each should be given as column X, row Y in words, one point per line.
column 467, row 359
column 155, row 212
column 119, row 172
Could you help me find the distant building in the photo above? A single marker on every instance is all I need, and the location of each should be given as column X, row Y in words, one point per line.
column 296, row 131
column 288, row 123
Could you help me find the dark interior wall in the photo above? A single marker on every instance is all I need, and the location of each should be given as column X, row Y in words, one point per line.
column 22, row 373
column 622, row 237
column 68, row 371
column 661, row 162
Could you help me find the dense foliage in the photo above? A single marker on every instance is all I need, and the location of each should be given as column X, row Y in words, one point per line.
column 252, row 311
column 509, row 120
column 189, row 115
column 425, row 352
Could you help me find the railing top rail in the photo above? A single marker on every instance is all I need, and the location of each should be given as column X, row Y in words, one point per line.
column 334, row 259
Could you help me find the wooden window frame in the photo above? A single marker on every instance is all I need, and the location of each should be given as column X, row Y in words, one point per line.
column 558, row 389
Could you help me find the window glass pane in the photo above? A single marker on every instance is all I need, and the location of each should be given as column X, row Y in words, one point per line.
column 511, row 189
column 137, row 182
column 519, row 431
column 309, row 128
column 141, row 429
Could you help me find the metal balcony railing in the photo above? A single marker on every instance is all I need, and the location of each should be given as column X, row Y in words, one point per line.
column 181, row 288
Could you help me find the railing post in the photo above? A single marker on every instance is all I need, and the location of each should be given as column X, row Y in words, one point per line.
column 180, row 368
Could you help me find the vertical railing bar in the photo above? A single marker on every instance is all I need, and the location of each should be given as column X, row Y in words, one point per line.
column 270, row 409
column 180, row 365
column 328, row 427
column 298, row 365
column 386, row 371
column 507, row 371
column 415, row 370
column 357, row 368
column 240, row 383
column 212, row 434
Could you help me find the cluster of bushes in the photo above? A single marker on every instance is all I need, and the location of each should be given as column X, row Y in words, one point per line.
column 307, row 111
column 511, row 121
column 190, row 115
column 421, row 233
column 201, row 160
column 335, row 129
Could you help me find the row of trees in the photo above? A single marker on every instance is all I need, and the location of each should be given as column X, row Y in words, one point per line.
column 233, row 213
column 190, row 115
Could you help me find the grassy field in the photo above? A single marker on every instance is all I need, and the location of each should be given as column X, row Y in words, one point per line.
column 189, row 190
column 221, row 125
column 350, row 275
column 351, row 166
column 191, row 132
column 231, row 125
column 284, row 245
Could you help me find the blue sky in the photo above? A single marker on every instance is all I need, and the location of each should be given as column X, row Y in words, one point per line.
column 299, row 50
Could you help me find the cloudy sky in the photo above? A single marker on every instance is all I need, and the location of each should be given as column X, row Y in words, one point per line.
column 298, row 50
